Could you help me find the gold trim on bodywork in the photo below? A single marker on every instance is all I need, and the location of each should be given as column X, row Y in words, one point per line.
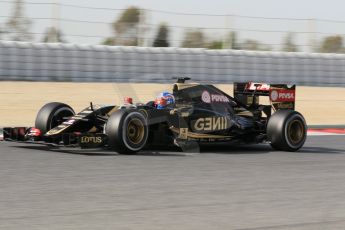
column 199, row 135
column 113, row 110
column 181, row 86
column 93, row 130
column 183, row 133
column 54, row 131
column 245, row 113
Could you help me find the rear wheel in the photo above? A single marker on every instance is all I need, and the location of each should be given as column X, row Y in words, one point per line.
column 52, row 115
column 127, row 131
column 287, row 130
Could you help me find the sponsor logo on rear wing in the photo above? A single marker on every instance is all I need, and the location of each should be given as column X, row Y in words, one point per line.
column 281, row 96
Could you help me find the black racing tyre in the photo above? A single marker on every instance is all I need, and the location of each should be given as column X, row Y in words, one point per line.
column 52, row 115
column 287, row 130
column 127, row 131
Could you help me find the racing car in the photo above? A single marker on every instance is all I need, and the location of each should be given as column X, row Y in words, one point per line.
column 200, row 114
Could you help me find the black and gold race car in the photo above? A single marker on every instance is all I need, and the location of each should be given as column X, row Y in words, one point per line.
column 201, row 114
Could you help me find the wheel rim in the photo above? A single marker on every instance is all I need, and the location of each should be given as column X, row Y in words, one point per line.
column 135, row 131
column 296, row 132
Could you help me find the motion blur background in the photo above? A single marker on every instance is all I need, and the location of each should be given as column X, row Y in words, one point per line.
column 308, row 26
column 44, row 42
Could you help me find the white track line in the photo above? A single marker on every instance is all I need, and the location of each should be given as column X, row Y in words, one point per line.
column 313, row 133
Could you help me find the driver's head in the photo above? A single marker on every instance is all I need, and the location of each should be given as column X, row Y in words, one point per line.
column 164, row 99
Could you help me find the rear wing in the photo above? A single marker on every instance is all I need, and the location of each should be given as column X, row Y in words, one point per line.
column 281, row 96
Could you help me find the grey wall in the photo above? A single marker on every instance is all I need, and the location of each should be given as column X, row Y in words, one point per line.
column 84, row 63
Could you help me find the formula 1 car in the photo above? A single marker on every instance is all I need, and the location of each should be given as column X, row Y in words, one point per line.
column 201, row 114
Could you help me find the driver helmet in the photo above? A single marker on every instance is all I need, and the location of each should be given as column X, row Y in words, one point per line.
column 164, row 99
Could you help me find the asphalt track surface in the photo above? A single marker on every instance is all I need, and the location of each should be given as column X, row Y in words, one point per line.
column 223, row 188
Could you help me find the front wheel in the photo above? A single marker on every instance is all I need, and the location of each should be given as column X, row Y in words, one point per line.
column 287, row 130
column 52, row 115
column 127, row 131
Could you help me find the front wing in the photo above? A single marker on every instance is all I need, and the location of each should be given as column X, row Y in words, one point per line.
column 83, row 140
